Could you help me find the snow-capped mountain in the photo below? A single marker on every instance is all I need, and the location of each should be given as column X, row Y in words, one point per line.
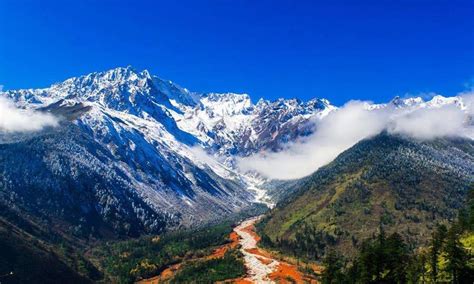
column 436, row 101
column 226, row 123
column 153, row 153
column 167, row 149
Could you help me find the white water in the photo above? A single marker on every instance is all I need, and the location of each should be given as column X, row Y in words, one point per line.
column 258, row 272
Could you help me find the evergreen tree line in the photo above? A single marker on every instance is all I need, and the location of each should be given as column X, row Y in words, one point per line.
column 388, row 259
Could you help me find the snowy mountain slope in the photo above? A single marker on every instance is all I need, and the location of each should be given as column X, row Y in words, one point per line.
column 135, row 128
column 174, row 149
column 229, row 124
column 144, row 146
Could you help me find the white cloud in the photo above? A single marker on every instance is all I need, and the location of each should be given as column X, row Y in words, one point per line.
column 345, row 127
column 13, row 119
column 430, row 123
column 468, row 100
column 201, row 156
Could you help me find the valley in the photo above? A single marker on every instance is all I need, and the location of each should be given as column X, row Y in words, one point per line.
column 141, row 180
column 237, row 142
column 261, row 265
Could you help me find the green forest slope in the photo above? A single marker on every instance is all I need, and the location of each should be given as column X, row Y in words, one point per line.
column 409, row 186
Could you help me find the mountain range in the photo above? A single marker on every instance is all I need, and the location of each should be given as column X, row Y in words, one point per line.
column 135, row 153
column 157, row 154
column 131, row 154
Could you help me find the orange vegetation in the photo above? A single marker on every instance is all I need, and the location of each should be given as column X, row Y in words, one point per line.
column 220, row 251
column 259, row 252
column 166, row 274
column 316, row 268
column 286, row 271
column 169, row 272
column 241, row 281
column 236, row 281
column 265, row 261
column 282, row 274
column 234, row 237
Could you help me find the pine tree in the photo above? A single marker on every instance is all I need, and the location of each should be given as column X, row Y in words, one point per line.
column 455, row 254
column 332, row 268
column 396, row 256
column 416, row 268
column 436, row 246
column 379, row 252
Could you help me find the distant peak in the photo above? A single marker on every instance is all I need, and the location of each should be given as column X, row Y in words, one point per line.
column 318, row 103
column 262, row 102
column 226, row 96
column 410, row 101
column 124, row 71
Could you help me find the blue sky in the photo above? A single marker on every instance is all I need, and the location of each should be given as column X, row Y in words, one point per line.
column 340, row 50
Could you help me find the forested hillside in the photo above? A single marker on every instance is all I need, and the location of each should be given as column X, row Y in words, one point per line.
column 448, row 256
column 406, row 185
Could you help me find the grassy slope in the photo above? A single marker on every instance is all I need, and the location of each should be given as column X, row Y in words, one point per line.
column 408, row 185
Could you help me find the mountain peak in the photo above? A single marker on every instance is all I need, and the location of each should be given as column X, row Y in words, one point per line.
column 404, row 102
column 438, row 101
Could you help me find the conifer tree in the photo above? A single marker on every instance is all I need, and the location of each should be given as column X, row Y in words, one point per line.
column 436, row 246
column 332, row 268
column 455, row 254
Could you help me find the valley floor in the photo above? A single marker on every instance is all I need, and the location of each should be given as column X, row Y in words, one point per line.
column 261, row 265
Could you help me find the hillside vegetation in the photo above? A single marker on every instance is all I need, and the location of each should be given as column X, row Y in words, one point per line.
column 448, row 258
column 409, row 186
column 136, row 259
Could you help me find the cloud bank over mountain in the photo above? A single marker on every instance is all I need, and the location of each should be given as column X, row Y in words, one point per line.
column 13, row 119
column 353, row 122
column 446, row 121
